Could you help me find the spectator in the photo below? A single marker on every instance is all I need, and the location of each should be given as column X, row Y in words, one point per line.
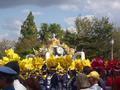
column 15, row 66
column 87, row 70
column 94, row 79
column 7, row 78
column 102, row 79
column 82, row 82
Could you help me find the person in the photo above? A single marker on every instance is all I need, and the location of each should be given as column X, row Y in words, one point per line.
column 7, row 78
column 86, row 70
column 64, row 81
column 71, row 82
column 15, row 66
column 51, row 81
column 82, row 82
column 102, row 79
column 94, row 79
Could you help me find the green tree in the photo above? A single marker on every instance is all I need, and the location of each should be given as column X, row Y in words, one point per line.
column 29, row 37
column 47, row 30
column 102, row 36
column 70, row 38
column 56, row 29
column 44, row 32
column 94, row 36
column 116, row 46
column 84, row 30
column 28, row 29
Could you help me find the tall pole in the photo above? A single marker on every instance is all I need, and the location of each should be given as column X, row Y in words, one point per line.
column 112, row 55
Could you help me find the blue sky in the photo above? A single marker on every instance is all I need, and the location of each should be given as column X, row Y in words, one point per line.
column 64, row 12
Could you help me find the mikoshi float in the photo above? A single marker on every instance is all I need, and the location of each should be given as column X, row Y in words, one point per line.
column 56, row 56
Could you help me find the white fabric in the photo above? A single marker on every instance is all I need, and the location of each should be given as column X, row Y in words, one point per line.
column 95, row 87
column 85, row 89
column 47, row 55
column 18, row 85
column 82, row 55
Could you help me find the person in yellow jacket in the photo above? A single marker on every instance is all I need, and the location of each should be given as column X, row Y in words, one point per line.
column 94, row 79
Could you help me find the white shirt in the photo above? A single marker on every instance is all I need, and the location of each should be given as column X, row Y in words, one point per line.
column 18, row 85
column 86, row 89
column 95, row 87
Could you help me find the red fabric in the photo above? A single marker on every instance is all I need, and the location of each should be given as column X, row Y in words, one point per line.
column 114, row 82
column 98, row 62
column 113, row 64
column 109, row 81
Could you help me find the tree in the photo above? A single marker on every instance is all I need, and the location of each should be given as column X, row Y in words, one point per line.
column 70, row 38
column 56, row 29
column 94, row 36
column 84, row 30
column 102, row 36
column 28, row 29
column 29, row 37
column 47, row 30
column 44, row 32
column 5, row 44
column 116, row 46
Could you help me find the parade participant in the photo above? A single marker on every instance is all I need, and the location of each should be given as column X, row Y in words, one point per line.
column 33, row 83
column 86, row 70
column 51, row 82
column 71, row 83
column 94, row 79
column 82, row 82
column 64, row 81
column 15, row 66
column 7, row 78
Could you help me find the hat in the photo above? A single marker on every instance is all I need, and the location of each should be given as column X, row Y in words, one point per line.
column 13, row 65
column 7, row 70
column 94, row 74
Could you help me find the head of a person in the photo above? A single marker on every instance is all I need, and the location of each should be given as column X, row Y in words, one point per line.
column 93, row 77
column 6, row 80
column 82, row 81
column 87, row 70
column 6, row 76
column 13, row 65
column 72, row 73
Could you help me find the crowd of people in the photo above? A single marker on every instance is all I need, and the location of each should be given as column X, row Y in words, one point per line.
column 88, row 79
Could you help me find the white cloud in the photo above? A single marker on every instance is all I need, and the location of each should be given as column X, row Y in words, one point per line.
column 70, row 20
column 12, row 25
column 116, row 5
column 25, row 11
column 90, row 17
column 69, row 7
column 35, row 13
column 109, row 8
column 10, row 29
column 72, row 29
column 8, row 36
column 5, row 35
column 40, row 3
column 18, row 24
